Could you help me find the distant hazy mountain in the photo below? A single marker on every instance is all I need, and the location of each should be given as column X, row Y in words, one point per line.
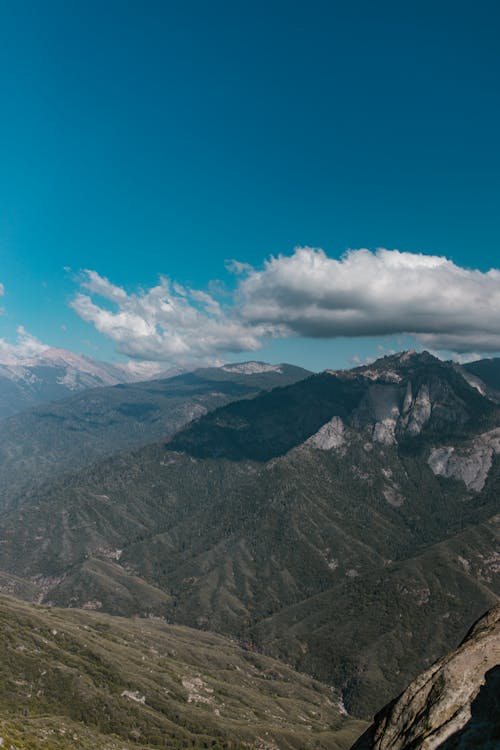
column 51, row 375
column 454, row 705
column 340, row 522
column 95, row 423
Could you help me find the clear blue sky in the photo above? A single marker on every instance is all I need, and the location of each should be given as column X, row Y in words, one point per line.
column 147, row 138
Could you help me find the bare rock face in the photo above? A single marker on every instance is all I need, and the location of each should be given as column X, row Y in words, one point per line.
column 470, row 463
column 454, row 705
column 328, row 437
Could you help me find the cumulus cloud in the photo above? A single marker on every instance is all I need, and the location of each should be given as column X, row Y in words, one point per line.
column 378, row 293
column 168, row 322
column 26, row 348
column 307, row 293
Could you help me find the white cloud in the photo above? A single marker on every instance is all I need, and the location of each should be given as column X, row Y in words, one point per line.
column 362, row 294
column 26, row 348
column 237, row 267
column 142, row 369
column 167, row 323
column 378, row 293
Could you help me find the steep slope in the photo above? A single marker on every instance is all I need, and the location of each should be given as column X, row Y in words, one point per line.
column 454, row 704
column 396, row 399
column 328, row 534
column 488, row 370
column 366, row 635
column 72, row 679
column 75, row 432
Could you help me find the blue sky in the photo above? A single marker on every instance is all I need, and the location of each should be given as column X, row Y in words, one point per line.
column 162, row 138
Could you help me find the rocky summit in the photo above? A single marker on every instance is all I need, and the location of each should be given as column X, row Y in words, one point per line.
column 453, row 705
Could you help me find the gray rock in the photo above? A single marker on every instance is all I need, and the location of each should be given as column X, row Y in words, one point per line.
column 470, row 463
column 328, row 437
column 454, row 705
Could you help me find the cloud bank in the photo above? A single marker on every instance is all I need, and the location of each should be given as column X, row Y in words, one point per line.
column 377, row 294
column 168, row 322
column 364, row 293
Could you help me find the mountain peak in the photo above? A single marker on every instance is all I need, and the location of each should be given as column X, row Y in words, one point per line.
column 52, row 374
column 396, row 398
column 392, row 366
column 405, row 359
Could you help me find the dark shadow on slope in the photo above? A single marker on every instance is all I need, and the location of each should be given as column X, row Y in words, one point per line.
column 488, row 370
column 482, row 731
column 270, row 424
column 365, row 742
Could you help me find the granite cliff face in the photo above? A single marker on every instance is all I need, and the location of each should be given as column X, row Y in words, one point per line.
column 470, row 462
column 453, row 705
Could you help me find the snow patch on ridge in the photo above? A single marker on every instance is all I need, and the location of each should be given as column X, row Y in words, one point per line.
column 251, row 368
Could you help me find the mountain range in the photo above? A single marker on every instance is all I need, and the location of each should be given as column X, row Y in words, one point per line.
column 337, row 522
column 77, row 431
column 53, row 374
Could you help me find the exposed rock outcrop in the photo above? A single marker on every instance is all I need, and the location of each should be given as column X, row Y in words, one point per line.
column 469, row 463
column 330, row 436
column 409, row 394
column 454, row 705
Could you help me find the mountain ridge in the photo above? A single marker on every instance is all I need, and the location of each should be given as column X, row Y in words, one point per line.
column 77, row 431
column 50, row 375
column 255, row 547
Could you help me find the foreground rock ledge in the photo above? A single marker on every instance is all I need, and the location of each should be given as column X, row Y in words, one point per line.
column 454, row 705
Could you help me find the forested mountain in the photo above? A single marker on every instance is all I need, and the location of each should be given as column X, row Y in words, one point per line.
column 339, row 523
column 99, row 422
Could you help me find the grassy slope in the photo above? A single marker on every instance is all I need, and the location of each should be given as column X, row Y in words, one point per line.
column 133, row 683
